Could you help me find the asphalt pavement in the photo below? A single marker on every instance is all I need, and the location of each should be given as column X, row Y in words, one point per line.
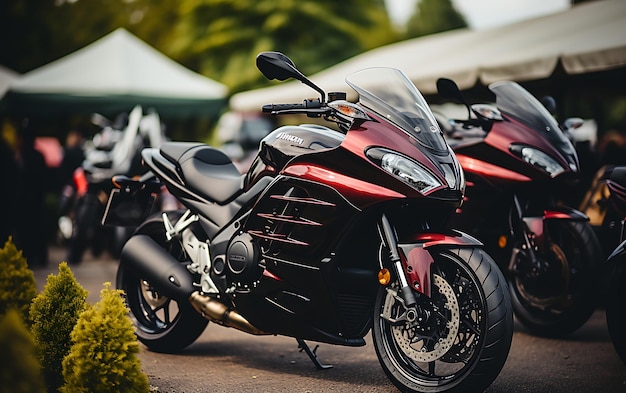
column 226, row 360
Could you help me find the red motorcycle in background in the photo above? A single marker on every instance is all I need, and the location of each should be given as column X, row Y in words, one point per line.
column 517, row 161
column 330, row 234
column 610, row 191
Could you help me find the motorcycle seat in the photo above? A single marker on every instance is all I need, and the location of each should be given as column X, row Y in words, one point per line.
column 205, row 170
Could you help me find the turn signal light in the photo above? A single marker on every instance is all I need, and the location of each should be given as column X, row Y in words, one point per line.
column 384, row 276
column 502, row 240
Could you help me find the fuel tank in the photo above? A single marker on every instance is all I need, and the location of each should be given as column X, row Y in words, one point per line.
column 287, row 142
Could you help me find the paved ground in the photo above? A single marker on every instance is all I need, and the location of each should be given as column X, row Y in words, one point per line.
column 226, row 360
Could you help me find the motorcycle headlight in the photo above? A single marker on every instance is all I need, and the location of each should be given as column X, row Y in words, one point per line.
column 539, row 160
column 405, row 169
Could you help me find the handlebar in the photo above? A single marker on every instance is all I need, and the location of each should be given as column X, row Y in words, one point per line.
column 307, row 104
column 281, row 107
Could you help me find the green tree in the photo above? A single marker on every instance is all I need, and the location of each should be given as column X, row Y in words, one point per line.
column 54, row 313
column 218, row 38
column 103, row 357
column 19, row 368
column 17, row 281
column 36, row 32
column 221, row 38
column 433, row 16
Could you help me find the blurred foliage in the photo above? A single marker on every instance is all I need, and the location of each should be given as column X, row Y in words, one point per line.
column 17, row 281
column 19, row 367
column 217, row 38
column 314, row 34
column 54, row 313
column 103, row 357
column 433, row 16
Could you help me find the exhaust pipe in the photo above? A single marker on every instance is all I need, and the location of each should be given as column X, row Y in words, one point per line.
column 149, row 261
column 219, row 313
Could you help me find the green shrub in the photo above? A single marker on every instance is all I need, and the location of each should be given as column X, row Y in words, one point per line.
column 54, row 313
column 19, row 368
column 103, row 357
column 17, row 281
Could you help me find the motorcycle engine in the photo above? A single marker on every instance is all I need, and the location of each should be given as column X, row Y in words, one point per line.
column 242, row 261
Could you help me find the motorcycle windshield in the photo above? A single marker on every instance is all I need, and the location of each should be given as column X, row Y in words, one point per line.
column 515, row 101
column 390, row 94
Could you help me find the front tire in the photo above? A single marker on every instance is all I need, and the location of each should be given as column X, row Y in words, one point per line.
column 463, row 342
column 558, row 297
column 162, row 324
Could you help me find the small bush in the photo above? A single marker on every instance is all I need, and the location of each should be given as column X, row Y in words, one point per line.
column 19, row 367
column 103, row 357
column 17, row 281
column 54, row 313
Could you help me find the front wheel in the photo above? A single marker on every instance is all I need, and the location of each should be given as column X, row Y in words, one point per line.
column 461, row 338
column 616, row 310
column 557, row 295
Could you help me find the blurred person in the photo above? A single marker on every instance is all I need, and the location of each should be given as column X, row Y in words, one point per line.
column 73, row 154
column 29, row 204
column 73, row 157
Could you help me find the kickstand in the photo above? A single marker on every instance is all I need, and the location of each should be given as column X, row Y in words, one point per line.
column 312, row 354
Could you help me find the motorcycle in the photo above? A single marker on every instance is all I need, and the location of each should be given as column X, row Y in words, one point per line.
column 517, row 162
column 330, row 234
column 610, row 185
column 115, row 149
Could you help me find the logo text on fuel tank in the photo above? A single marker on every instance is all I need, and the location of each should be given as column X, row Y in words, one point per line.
column 290, row 138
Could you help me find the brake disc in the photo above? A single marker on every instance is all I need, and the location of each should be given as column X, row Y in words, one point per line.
column 415, row 346
column 552, row 286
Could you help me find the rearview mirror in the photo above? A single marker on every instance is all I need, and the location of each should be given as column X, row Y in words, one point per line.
column 448, row 88
column 550, row 103
column 275, row 65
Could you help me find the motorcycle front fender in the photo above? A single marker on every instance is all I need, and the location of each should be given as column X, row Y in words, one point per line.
column 417, row 259
column 564, row 213
column 536, row 224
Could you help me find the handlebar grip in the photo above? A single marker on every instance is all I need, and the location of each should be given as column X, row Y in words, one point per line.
column 281, row 107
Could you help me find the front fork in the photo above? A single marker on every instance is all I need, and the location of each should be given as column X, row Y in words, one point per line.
column 527, row 229
column 389, row 238
column 532, row 231
column 412, row 263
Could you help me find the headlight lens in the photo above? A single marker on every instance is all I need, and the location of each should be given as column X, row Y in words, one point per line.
column 539, row 160
column 409, row 172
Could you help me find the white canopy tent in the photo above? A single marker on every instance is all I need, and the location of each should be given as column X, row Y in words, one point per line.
column 116, row 71
column 7, row 76
column 588, row 37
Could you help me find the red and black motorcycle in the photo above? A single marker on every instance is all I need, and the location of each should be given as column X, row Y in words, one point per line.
column 517, row 162
column 612, row 204
column 330, row 234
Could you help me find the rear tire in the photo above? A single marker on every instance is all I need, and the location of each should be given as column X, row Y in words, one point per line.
column 162, row 324
column 464, row 342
